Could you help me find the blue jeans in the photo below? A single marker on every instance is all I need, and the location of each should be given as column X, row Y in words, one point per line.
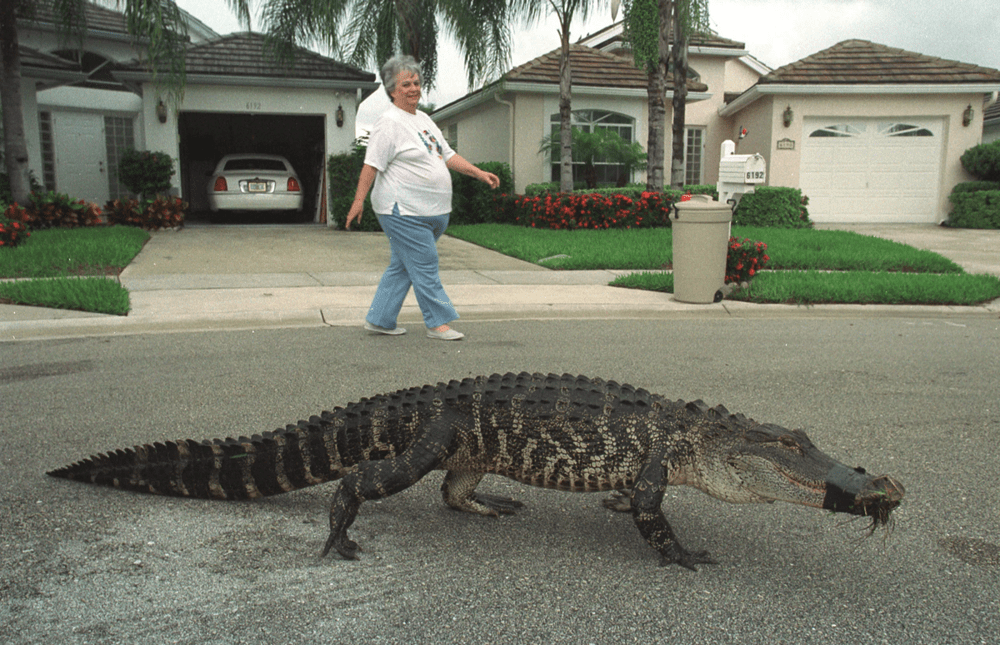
column 414, row 261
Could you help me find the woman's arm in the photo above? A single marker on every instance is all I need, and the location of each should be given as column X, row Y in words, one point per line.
column 365, row 182
column 459, row 164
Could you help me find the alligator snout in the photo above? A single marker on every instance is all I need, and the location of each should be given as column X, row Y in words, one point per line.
column 858, row 493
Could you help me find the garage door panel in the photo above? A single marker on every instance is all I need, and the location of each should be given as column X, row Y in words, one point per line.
column 889, row 169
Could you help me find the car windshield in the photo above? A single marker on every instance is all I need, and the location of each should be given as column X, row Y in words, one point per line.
column 255, row 164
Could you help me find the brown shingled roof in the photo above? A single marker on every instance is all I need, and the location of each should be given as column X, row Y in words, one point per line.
column 97, row 17
column 854, row 62
column 243, row 55
column 589, row 67
column 612, row 34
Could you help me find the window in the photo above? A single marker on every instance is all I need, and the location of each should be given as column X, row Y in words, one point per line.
column 838, row 130
column 694, row 152
column 119, row 136
column 903, row 130
column 590, row 121
column 48, row 151
column 451, row 136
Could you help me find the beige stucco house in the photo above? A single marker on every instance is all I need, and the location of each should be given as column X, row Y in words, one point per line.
column 84, row 105
column 868, row 132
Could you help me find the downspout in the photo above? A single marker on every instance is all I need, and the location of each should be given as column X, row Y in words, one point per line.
column 510, row 127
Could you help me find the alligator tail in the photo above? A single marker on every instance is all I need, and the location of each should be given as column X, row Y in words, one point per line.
column 246, row 468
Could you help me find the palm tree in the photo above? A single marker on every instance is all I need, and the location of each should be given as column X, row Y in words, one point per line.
column 368, row 32
column 156, row 26
column 649, row 24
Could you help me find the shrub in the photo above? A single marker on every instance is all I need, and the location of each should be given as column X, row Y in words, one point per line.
column 983, row 161
column 473, row 202
column 975, row 186
column 162, row 212
column 12, row 233
column 146, row 173
column 343, row 171
column 592, row 211
column 51, row 209
column 773, row 206
column 744, row 259
column 975, row 209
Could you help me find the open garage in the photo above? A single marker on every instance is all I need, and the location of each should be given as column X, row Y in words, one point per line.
column 206, row 136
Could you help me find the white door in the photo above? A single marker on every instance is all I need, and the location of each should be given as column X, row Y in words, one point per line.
column 81, row 156
column 872, row 170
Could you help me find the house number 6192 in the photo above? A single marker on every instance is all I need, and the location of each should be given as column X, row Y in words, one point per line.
column 253, row 105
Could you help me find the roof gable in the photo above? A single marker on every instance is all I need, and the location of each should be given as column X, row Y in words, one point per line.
column 588, row 67
column 243, row 56
column 859, row 62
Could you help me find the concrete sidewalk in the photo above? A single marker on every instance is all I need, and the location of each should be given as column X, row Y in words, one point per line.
column 240, row 277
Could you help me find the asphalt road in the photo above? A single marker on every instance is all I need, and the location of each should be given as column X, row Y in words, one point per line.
column 915, row 397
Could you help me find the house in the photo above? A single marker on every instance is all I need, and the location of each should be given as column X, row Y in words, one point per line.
column 85, row 105
column 506, row 120
column 868, row 132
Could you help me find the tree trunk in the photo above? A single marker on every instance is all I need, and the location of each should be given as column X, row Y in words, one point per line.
column 565, row 110
column 16, row 148
column 679, row 59
column 656, row 92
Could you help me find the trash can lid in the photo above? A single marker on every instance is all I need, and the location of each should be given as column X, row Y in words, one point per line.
column 702, row 209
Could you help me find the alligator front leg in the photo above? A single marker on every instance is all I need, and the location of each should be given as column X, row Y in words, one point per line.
column 378, row 479
column 647, row 495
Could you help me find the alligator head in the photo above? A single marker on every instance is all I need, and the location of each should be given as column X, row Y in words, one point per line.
column 767, row 463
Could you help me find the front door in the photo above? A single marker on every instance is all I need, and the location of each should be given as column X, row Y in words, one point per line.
column 81, row 155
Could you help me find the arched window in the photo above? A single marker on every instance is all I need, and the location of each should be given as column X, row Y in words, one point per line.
column 591, row 121
column 836, row 130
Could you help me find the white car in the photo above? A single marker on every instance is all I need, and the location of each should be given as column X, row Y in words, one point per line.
column 249, row 182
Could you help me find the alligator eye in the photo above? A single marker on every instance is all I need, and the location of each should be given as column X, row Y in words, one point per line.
column 789, row 441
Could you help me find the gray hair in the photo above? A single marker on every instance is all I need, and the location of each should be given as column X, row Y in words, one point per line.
column 399, row 63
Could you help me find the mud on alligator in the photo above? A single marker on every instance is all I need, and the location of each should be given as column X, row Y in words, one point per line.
column 564, row 432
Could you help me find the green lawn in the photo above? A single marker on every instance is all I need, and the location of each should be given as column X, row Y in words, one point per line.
column 66, row 268
column 807, row 266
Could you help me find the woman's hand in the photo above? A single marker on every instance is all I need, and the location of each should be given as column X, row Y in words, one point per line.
column 357, row 208
column 490, row 179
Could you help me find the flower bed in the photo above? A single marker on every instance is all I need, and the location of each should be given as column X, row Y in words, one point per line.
column 745, row 259
column 591, row 211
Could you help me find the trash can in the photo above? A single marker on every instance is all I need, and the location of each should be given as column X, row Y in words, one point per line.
column 701, row 241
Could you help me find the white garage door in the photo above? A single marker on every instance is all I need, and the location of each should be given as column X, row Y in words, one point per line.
column 871, row 170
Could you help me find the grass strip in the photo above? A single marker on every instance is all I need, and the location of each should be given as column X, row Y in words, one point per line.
column 849, row 287
column 651, row 249
column 59, row 252
column 99, row 295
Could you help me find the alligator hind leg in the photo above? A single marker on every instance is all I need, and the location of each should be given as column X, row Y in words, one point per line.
column 647, row 495
column 459, row 492
column 378, row 479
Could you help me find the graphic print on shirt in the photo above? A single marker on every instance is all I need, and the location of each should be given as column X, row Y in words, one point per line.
column 432, row 140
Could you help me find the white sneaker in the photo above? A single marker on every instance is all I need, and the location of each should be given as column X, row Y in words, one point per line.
column 447, row 334
column 396, row 331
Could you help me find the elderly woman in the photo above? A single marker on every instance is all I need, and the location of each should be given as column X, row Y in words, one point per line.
column 408, row 161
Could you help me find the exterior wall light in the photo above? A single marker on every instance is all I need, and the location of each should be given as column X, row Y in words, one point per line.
column 340, row 116
column 161, row 112
column 967, row 116
column 787, row 116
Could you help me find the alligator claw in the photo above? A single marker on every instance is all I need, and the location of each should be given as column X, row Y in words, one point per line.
column 686, row 559
column 619, row 502
column 348, row 549
column 500, row 505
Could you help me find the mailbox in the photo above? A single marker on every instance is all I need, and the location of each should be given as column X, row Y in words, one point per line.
column 738, row 174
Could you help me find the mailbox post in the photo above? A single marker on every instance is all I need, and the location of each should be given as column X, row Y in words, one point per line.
column 738, row 174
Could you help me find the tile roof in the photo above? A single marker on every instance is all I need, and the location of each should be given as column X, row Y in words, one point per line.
column 858, row 62
column 243, row 55
column 589, row 67
column 612, row 34
column 97, row 17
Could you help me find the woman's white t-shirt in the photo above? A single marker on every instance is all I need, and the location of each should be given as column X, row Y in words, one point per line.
column 409, row 152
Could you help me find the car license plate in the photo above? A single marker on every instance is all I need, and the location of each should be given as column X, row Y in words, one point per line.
column 257, row 187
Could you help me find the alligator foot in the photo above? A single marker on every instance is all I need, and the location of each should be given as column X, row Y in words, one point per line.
column 482, row 504
column 348, row 549
column 676, row 554
column 619, row 501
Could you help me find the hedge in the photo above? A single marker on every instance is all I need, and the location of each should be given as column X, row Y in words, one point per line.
column 980, row 209
column 773, row 206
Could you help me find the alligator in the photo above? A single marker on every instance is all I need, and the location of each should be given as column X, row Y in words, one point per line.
column 566, row 432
